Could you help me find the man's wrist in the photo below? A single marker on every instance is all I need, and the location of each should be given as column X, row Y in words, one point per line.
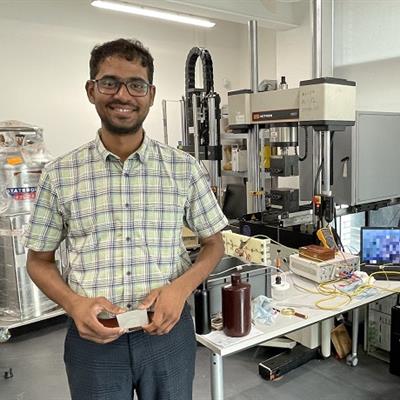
column 184, row 287
column 72, row 300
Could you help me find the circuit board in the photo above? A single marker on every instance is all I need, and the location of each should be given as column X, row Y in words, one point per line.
column 247, row 248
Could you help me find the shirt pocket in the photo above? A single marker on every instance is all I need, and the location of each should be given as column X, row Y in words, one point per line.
column 88, row 214
column 162, row 225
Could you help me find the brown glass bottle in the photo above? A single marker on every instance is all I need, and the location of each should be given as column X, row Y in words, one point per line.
column 236, row 307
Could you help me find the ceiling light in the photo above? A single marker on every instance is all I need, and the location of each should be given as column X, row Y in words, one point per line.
column 152, row 12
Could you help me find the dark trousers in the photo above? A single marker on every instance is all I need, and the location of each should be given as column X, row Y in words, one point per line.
column 153, row 367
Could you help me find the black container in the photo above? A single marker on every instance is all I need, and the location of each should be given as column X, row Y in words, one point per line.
column 202, row 310
column 236, row 307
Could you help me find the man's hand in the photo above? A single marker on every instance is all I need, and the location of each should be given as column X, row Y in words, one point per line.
column 43, row 271
column 168, row 302
column 84, row 312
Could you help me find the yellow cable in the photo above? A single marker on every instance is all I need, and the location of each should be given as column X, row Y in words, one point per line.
column 333, row 293
column 387, row 273
column 318, row 303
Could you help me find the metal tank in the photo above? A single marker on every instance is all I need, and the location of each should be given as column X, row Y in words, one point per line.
column 22, row 158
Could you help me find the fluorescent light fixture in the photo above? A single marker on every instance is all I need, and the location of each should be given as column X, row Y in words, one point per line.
column 152, row 12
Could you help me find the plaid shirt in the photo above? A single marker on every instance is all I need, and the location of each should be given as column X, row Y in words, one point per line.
column 122, row 221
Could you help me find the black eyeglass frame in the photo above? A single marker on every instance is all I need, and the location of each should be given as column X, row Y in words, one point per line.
column 123, row 82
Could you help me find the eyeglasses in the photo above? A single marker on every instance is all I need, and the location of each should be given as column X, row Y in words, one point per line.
column 135, row 87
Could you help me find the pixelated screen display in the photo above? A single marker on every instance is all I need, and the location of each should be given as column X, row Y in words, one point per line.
column 380, row 245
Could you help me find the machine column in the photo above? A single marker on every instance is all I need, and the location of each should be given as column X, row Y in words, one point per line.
column 216, row 183
column 253, row 142
column 195, row 128
column 326, row 188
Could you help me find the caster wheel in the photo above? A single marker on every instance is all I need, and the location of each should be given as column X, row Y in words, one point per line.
column 8, row 374
column 352, row 360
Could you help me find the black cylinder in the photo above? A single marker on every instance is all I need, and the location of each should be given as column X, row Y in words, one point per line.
column 202, row 310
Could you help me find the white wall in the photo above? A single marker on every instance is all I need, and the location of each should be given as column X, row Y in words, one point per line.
column 45, row 53
column 366, row 31
column 367, row 50
column 294, row 51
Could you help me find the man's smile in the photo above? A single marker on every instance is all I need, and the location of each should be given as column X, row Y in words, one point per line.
column 123, row 108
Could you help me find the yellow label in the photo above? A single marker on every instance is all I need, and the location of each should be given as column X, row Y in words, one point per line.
column 267, row 156
column 14, row 160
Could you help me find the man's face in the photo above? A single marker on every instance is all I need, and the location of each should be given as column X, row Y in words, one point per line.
column 121, row 113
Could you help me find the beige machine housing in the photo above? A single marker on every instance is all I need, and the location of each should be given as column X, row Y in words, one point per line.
column 318, row 101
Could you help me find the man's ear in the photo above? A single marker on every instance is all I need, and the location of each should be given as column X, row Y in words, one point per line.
column 90, row 90
column 152, row 94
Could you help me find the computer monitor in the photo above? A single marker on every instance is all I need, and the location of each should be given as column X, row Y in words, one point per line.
column 380, row 246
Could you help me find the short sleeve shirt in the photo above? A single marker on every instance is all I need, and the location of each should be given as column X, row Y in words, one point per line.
column 122, row 221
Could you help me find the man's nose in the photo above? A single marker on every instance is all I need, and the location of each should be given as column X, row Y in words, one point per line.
column 123, row 91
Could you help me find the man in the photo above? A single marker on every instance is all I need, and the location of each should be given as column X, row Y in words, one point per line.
column 120, row 202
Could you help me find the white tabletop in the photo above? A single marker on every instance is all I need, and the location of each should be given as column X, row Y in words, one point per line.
column 303, row 302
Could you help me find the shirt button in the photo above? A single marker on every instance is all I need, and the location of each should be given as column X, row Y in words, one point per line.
column 127, row 205
column 128, row 273
column 128, row 239
column 126, row 174
column 129, row 305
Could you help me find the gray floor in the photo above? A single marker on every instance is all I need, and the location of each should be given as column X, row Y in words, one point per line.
column 36, row 358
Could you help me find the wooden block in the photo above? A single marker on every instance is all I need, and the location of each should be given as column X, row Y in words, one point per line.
column 341, row 341
column 316, row 253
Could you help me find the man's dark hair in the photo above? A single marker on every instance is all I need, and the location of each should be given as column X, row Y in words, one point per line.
column 130, row 50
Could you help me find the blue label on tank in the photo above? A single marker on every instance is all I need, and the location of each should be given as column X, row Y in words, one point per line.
column 22, row 193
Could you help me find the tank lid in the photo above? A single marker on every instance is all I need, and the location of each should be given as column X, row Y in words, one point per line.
column 12, row 124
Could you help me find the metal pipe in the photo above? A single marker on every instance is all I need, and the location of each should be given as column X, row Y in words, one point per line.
column 253, row 150
column 326, row 327
column 212, row 121
column 195, row 128
column 326, row 189
column 332, row 38
column 317, row 159
column 213, row 141
column 164, row 118
column 253, row 44
column 317, row 39
column 253, row 142
column 217, row 377
column 317, row 73
column 185, row 138
column 353, row 359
